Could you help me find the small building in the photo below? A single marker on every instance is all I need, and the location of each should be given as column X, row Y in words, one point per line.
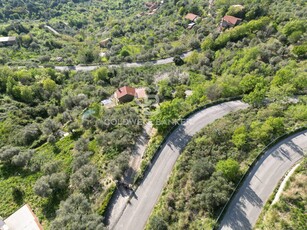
column 125, row 94
column 7, row 41
column 238, row 6
column 105, row 42
column 152, row 5
column 191, row 17
column 230, row 21
column 191, row 25
column 108, row 103
column 22, row 219
column 141, row 93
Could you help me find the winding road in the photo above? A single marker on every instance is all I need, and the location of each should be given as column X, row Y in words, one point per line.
column 136, row 213
column 246, row 206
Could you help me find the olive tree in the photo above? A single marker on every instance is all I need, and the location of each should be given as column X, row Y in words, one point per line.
column 84, row 178
column 50, row 184
column 76, row 207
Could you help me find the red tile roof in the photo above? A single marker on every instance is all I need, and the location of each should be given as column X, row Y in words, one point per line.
column 231, row 19
column 126, row 90
column 191, row 16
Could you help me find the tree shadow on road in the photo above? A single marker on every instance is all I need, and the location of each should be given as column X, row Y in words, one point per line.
column 238, row 220
column 237, row 217
column 251, row 197
column 295, row 147
column 284, row 152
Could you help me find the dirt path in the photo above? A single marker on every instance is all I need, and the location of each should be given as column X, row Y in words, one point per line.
column 283, row 183
column 121, row 196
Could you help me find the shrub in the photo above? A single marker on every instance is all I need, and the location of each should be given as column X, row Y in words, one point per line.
column 230, row 169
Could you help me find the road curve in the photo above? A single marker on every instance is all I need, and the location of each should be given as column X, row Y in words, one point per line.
column 246, row 206
column 129, row 65
column 136, row 213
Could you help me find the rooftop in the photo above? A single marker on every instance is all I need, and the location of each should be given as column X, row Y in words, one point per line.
column 126, row 90
column 191, row 16
column 7, row 39
column 231, row 19
column 23, row 219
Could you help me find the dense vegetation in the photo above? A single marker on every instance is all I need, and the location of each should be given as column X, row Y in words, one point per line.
column 82, row 25
column 56, row 138
column 58, row 147
column 290, row 211
column 213, row 162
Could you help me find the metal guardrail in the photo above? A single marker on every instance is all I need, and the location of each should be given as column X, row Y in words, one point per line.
column 261, row 153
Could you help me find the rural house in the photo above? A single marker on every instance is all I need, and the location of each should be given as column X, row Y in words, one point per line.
column 125, row 94
column 7, row 41
column 191, row 17
column 230, row 21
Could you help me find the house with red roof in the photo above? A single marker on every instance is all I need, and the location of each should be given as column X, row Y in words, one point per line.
column 191, row 17
column 125, row 94
column 230, row 21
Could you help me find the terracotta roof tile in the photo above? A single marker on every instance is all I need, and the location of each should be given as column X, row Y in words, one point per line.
column 126, row 90
column 231, row 19
column 191, row 16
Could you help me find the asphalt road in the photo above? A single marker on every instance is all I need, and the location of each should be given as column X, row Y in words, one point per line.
column 129, row 65
column 247, row 204
column 145, row 197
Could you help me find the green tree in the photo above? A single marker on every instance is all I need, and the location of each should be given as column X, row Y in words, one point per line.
column 236, row 11
column 50, row 184
column 249, row 82
column 202, row 169
column 165, row 90
column 8, row 152
column 167, row 114
column 178, row 60
column 266, row 131
column 26, row 94
column 84, row 178
column 300, row 51
column 157, row 223
column 101, row 74
column 208, row 43
column 283, row 76
column 124, row 53
column 230, row 169
column 180, row 92
column 240, row 137
column 76, row 213
column 257, row 96
column 42, row 187
column 87, row 56
column 49, row 85
column 294, row 26
column 215, row 193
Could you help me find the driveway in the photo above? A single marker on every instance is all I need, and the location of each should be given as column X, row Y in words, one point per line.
column 135, row 215
column 247, row 204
